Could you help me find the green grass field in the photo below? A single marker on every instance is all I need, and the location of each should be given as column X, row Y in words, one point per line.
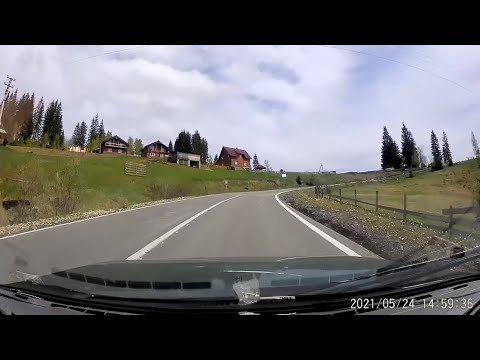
column 427, row 192
column 100, row 183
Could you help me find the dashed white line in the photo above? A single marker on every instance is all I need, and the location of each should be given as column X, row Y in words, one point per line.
column 143, row 251
column 324, row 235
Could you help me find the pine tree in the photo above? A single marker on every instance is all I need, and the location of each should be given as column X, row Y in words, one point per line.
column 170, row 147
column 109, row 135
column 38, row 120
column 94, row 129
column 48, row 124
column 27, row 117
column 183, row 143
column 196, row 143
column 82, row 139
column 58, row 123
column 255, row 160
column 390, row 153
column 76, row 136
column 101, row 131
column 408, row 146
column 62, row 140
column 204, row 147
column 215, row 159
column 476, row 151
column 436, row 154
column 446, row 153
column 209, row 159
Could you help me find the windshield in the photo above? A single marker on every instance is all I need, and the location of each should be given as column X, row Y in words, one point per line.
column 237, row 173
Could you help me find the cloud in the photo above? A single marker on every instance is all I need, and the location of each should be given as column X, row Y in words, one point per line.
column 297, row 106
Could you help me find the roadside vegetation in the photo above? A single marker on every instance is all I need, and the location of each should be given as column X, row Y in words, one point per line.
column 59, row 182
column 385, row 232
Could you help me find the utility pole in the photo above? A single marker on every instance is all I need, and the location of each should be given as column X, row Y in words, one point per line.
column 9, row 85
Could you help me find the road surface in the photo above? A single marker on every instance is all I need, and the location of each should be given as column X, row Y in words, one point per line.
column 222, row 225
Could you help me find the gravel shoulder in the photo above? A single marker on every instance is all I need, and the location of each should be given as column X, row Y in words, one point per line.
column 384, row 235
column 57, row 220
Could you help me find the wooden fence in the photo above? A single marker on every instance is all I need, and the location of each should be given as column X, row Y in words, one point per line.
column 446, row 217
column 135, row 169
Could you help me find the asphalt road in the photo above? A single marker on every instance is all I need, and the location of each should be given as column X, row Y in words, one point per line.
column 223, row 225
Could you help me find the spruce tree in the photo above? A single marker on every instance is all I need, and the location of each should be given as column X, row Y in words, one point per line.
column 83, row 134
column 390, row 157
column 76, row 136
column 255, row 160
column 436, row 154
column 446, row 153
column 94, row 129
column 408, row 146
column 170, row 147
column 38, row 120
column 101, row 131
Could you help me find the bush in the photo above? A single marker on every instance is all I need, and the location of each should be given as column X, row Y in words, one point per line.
column 64, row 191
column 155, row 191
column 311, row 181
column 299, row 180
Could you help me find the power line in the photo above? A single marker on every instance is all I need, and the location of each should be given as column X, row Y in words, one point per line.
column 108, row 53
column 400, row 63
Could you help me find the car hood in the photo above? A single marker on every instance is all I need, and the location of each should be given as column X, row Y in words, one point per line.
column 204, row 278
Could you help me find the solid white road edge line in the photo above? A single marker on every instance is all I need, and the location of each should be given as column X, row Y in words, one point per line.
column 110, row 214
column 142, row 252
column 324, row 235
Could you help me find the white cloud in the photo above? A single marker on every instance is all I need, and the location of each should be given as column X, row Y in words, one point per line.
column 333, row 113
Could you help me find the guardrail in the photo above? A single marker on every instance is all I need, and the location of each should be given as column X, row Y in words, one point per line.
column 135, row 169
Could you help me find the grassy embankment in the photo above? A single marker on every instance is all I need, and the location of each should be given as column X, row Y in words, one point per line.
column 60, row 182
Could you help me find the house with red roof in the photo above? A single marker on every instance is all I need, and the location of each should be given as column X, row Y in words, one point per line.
column 234, row 157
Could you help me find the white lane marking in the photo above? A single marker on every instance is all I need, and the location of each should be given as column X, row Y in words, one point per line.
column 100, row 216
column 324, row 235
column 142, row 252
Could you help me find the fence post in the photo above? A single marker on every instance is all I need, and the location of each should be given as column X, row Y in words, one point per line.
column 450, row 220
column 404, row 206
column 376, row 200
column 340, row 194
column 330, row 194
column 355, row 196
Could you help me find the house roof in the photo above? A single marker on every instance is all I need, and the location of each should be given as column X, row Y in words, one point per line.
column 116, row 138
column 156, row 142
column 235, row 152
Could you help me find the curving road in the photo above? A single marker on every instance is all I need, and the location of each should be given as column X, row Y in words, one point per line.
column 223, row 225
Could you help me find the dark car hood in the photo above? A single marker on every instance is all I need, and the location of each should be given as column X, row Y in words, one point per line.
column 204, row 278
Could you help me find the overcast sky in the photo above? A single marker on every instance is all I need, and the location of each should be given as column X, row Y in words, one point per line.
column 297, row 106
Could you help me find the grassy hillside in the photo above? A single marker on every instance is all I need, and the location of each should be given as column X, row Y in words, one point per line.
column 59, row 182
column 428, row 192
column 102, row 183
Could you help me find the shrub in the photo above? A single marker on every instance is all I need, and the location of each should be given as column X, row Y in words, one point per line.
column 299, row 180
column 156, row 191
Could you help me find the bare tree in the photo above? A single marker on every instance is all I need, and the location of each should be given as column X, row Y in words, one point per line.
column 267, row 165
column 422, row 158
